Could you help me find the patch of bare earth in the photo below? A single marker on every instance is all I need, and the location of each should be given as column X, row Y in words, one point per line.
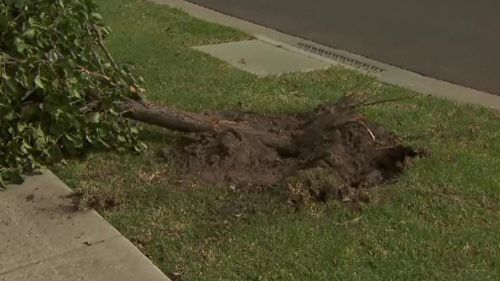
column 331, row 152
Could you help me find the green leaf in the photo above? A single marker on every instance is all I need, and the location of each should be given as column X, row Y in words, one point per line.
column 50, row 97
column 93, row 117
column 29, row 34
column 20, row 3
column 9, row 116
column 20, row 45
column 38, row 82
column 74, row 93
column 96, row 16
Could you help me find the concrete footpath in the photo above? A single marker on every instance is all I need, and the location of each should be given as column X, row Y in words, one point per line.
column 43, row 238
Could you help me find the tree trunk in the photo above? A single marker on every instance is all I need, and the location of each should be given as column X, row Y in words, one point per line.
column 168, row 118
column 189, row 122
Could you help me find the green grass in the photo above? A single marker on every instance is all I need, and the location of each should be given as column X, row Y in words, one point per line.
column 441, row 221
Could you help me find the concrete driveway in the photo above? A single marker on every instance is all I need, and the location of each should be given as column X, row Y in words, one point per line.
column 452, row 40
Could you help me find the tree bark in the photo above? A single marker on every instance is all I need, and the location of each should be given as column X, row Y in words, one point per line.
column 189, row 122
column 168, row 118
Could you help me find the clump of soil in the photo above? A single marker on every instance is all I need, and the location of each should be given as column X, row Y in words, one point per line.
column 95, row 198
column 331, row 152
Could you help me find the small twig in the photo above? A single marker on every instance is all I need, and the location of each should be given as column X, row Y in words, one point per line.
column 364, row 103
column 100, row 41
column 18, row 17
column 90, row 106
column 96, row 74
column 139, row 92
column 366, row 127
column 382, row 147
column 7, row 59
column 8, row 62
column 369, row 131
column 355, row 220
column 98, row 60
column 124, row 112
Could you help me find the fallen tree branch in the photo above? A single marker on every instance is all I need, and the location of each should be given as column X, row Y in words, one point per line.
column 166, row 117
column 188, row 122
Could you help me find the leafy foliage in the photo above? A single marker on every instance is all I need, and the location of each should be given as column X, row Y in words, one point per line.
column 60, row 90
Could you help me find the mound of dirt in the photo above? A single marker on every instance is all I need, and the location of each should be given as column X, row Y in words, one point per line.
column 334, row 143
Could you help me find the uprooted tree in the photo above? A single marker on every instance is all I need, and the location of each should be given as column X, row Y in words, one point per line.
column 61, row 92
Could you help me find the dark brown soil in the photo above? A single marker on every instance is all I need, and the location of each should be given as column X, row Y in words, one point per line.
column 332, row 151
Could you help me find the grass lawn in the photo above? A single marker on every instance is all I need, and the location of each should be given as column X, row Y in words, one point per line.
column 441, row 221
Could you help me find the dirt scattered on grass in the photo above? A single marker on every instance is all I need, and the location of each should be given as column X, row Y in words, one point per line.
column 94, row 198
column 331, row 152
column 175, row 276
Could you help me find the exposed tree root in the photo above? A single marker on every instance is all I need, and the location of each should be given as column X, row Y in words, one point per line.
column 333, row 142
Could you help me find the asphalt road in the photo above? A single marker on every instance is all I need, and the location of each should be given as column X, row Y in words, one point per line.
column 452, row 40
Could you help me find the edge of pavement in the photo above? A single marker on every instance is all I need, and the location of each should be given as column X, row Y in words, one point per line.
column 383, row 72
